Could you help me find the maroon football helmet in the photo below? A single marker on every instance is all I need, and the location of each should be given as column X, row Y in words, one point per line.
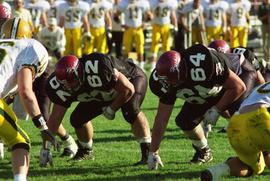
column 220, row 46
column 168, row 67
column 69, row 73
column 4, row 12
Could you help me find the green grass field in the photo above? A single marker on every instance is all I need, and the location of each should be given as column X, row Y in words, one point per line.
column 116, row 151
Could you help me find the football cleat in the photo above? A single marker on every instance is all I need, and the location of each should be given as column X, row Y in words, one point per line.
column 1, row 150
column 202, row 155
column 83, row 154
column 206, row 176
column 70, row 147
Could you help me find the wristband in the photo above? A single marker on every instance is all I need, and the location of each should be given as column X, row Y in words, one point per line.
column 39, row 121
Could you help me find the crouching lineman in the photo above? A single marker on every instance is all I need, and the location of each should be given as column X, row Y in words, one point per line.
column 102, row 85
column 203, row 79
column 21, row 62
column 249, row 135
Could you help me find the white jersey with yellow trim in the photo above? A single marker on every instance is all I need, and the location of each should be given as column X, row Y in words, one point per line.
column 53, row 12
column 246, row 3
column 16, row 54
column 238, row 13
column 214, row 13
column 73, row 14
column 133, row 11
column 162, row 11
column 36, row 9
column 260, row 95
column 97, row 13
column 188, row 8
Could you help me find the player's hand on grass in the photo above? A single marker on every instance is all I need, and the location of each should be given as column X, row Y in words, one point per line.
column 48, row 136
column 45, row 157
column 154, row 161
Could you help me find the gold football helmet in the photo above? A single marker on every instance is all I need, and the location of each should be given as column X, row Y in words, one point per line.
column 15, row 28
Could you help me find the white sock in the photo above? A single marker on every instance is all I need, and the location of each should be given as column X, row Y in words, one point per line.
column 71, row 144
column 87, row 145
column 2, row 151
column 219, row 170
column 145, row 140
column 200, row 143
column 19, row 177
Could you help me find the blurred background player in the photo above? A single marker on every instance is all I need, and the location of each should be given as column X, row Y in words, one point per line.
column 38, row 11
column 73, row 14
column 264, row 16
column 163, row 16
column 248, row 133
column 101, row 24
column 53, row 38
column 215, row 20
column 117, row 31
column 197, row 19
column 238, row 17
column 22, row 61
column 179, row 38
column 53, row 12
column 20, row 11
column 135, row 13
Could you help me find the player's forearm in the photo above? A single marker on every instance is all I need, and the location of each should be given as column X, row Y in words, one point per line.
column 229, row 97
column 160, row 125
column 30, row 103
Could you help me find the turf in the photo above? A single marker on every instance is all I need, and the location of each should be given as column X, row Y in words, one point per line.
column 116, row 151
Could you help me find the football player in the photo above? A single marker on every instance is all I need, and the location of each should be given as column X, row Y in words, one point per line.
column 21, row 62
column 248, row 133
column 163, row 14
column 243, row 64
column 53, row 38
column 73, row 14
column 38, row 11
column 20, row 11
column 102, row 85
column 203, row 79
column 262, row 67
column 197, row 18
column 238, row 17
column 215, row 20
column 135, row 11
column 100, row 22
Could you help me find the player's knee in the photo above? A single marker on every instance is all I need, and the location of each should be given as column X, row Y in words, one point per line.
column 130, row 116
column 75, row 122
